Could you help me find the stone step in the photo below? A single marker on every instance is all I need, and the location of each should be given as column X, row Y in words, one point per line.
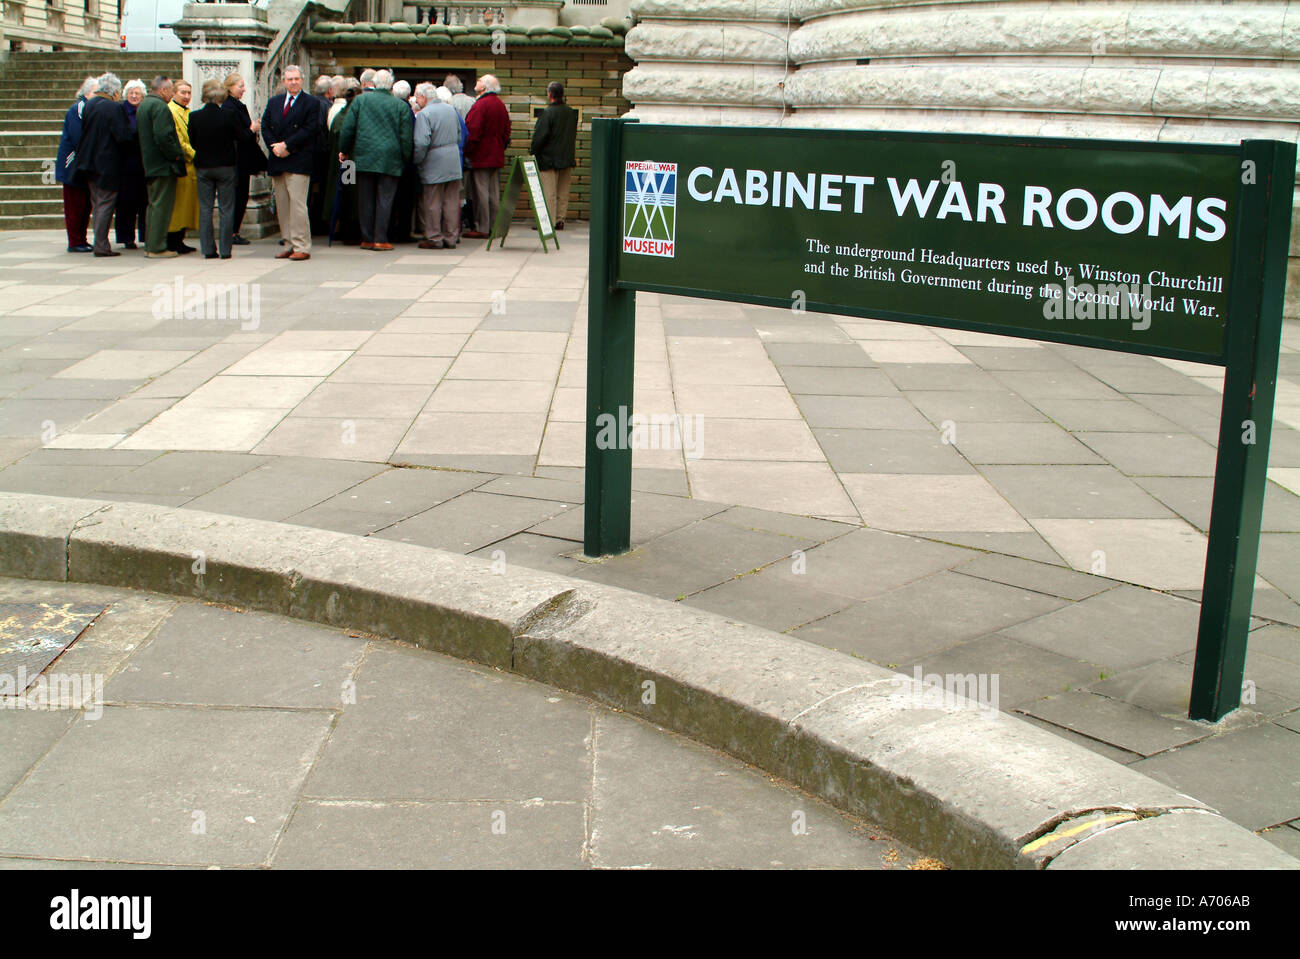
column 21, row 208
column 48, row 221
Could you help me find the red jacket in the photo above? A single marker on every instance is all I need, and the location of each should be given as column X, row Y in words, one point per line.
column 489, row 133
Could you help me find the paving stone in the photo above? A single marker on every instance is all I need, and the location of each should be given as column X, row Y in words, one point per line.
column 940, row 376
column 283, row 487
column 768, row 600
column 1154, row 454
column 891, row 451
column 1003, row 358
column 1117, row 415
column 1252, row 776
column 1056, row 384
column 861, row 412
column 1165, row 687
column 773, row 522
column 652, row 515
column 1279, row 561
column 1019, row 443
column 973, row 406
column 58, row 480
column 1025, row 545
column 808, row 489
column 1286, row 838
column 1039, row 577
column 459, row 524
column 207, row 655
column 919, row 503
column 665, row 803
column 32, row 418
column 926, row 616
column 691, row 558
column 428, row 728
column 1024, row 673
column 817, row 354
column 1166, row 554
column 1120, row 629
column 341, row 438
column 866, row 563
column 837, row 381
column 1113, row 753
column 1069, row 492
column 426, row 835
column 1151, row 377
column 28, row 735
column 143, row 772
column 182, row 473
column 1118, row 723
column 533, row 552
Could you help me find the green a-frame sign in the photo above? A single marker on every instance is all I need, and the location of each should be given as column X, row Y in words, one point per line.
column 946, row 230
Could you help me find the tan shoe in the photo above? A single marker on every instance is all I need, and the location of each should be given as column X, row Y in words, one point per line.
column 163, row 255
column 284, row 254
column 300, row 256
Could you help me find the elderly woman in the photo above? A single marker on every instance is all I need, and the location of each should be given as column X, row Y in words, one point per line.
column 251, row 159
column 76, row 198
column 133, row 192
column 214, row 134
column 185, row 210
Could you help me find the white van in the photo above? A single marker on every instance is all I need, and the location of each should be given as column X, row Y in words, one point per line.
column 144, row 25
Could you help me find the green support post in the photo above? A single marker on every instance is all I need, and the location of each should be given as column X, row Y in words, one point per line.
column 1253, row 340
column 611, row 322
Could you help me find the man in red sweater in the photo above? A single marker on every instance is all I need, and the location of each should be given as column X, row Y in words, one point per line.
column 485, row 151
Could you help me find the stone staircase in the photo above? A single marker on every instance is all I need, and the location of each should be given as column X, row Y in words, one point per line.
column 36, row 90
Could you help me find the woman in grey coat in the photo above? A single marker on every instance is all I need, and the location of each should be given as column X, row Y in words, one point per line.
column 438, row 132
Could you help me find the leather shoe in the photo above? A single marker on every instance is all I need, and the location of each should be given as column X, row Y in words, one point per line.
column 430, row 244
column 209, row 256
column 367, row 246
column 475, row 235
column 162, row 255
column 381, row 247
column 559, row 225
column 284, row 254
column 300, row 256
column 128, row 245
column 109, row 253
column 239, row 240
column 81, row 248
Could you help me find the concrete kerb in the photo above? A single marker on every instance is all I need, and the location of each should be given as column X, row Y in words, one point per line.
column 976, row 787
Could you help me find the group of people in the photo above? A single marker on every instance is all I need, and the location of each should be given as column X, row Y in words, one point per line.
column 146, row 163
column 366, row 158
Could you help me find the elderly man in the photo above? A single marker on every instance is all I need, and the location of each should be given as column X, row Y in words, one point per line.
column 163, row 161
column 290, row 127
column 76, row 198
column 459, row 98
column 553, row 146
column 368, row 79
column 376, row 135
column 488, row 123
column 99, row 156
column 438, row 136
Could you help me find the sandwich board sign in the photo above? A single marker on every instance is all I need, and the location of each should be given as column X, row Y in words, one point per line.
column 523, row 171
column 1161, row 249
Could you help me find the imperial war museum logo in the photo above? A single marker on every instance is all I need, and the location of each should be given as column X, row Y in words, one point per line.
column 650, row 208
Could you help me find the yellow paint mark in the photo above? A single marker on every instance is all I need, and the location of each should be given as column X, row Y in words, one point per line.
column 1094, row 823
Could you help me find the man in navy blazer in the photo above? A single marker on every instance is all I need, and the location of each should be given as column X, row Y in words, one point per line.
column 290, row 127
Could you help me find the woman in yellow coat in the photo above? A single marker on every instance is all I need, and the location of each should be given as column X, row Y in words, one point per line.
column 185, row 211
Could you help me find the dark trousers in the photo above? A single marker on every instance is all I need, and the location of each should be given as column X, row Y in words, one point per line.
column 132, row 201
column 76, row 213
column 242, row 181
column 218, row 180
column 102, row 202
column 162, row 194
column 375, row 192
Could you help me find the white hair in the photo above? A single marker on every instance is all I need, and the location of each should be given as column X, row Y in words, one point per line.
column 133, row 85
column 383, row 80
column 87, row 87
column 367, row 76
column 490, row 83
column 426, row 90
column 443, row 94
column 294, row 67
column 401, row 89
column 108, row 85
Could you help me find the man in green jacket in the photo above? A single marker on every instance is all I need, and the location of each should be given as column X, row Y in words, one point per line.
column 160, row 151
column 553, row 146
column 377, row 137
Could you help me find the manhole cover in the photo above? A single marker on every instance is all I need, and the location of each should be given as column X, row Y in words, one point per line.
column 32, row 635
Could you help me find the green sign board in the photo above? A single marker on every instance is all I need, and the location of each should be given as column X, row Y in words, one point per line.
column 1173, row 250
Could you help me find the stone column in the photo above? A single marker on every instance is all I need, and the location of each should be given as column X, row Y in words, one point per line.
column 223, row 38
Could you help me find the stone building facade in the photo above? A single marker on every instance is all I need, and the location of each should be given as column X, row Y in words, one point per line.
column 58, row 25
column 1170, row 71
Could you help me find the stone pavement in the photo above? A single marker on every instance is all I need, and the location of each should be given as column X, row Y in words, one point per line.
column 235, row 739
column 921, row 498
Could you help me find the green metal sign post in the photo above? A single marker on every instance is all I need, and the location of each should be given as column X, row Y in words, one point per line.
column 1168, row 250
